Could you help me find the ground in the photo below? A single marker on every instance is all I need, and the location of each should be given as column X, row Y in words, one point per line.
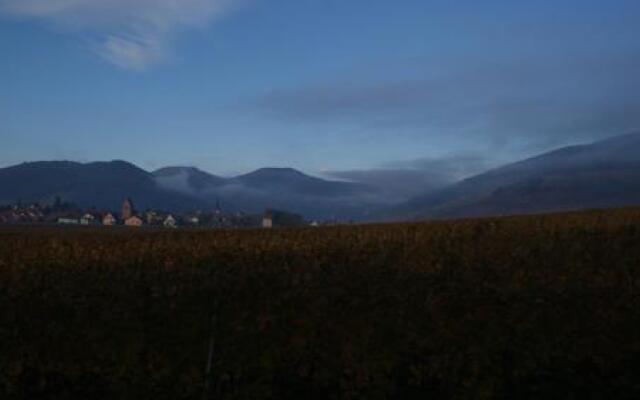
column 522, row 307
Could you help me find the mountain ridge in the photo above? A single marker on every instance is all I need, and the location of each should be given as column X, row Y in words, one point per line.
column 562, row 179
column 100, row 184
column 104, row 184
column 272, row 187
column 604, row 173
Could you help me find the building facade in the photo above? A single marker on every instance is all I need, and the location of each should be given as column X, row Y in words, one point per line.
column 267, row 220
column 170, row 222
column 108, row 219
column 133, row 221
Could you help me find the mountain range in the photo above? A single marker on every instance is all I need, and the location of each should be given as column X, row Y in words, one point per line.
column 598, row 175
column 104, row 185
column 281, row 188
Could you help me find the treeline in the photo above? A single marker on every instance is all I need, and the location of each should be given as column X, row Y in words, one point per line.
column 527, row 307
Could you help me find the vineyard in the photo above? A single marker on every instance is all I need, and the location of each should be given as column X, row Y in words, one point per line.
column 520, row 307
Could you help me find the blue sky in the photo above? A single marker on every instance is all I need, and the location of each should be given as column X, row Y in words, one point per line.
column 326, row 86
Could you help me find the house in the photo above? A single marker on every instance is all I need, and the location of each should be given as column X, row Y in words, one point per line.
column 153, row 218
column 133, row 221
column 192, row 220
column 68, row 221
column 108, row 219
column 64, row 218
column 32, row 214
column 11, row 217
column 267, row 220
column 88, row 219
column 170, row 222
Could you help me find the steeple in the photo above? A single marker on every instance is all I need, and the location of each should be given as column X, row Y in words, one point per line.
column 127, row 209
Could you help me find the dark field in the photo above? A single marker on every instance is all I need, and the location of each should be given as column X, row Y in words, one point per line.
column 530, row 307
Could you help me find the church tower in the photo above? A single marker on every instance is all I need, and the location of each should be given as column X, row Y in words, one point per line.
column 127, row 209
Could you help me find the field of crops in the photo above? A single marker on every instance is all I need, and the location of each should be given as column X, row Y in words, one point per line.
column 527, row 307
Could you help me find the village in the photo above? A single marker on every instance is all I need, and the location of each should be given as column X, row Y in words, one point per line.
column 64, row 214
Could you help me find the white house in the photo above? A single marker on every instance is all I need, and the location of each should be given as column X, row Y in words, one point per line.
column 68, row 221
column 267, row 220
column 87, row 219
column 170, row 222
column 109, row 220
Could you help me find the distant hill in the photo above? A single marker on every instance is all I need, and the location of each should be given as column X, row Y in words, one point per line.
column 188, row 179
column 97, row 184
column 281, row 188
column 295, row 182
column 599, row 175
column 106, row 184
column 602, row 174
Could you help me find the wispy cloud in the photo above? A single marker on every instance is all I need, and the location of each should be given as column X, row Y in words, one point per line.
column 131, row 34
column 132, row 52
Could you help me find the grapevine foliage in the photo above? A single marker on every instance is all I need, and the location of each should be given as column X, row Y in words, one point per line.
column 527, row 307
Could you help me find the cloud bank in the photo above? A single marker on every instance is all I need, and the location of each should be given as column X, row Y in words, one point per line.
column 401, row 181
column 527, row 106
column 132, row 34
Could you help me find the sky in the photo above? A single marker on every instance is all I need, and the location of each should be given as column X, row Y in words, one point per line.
column 407, row 92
